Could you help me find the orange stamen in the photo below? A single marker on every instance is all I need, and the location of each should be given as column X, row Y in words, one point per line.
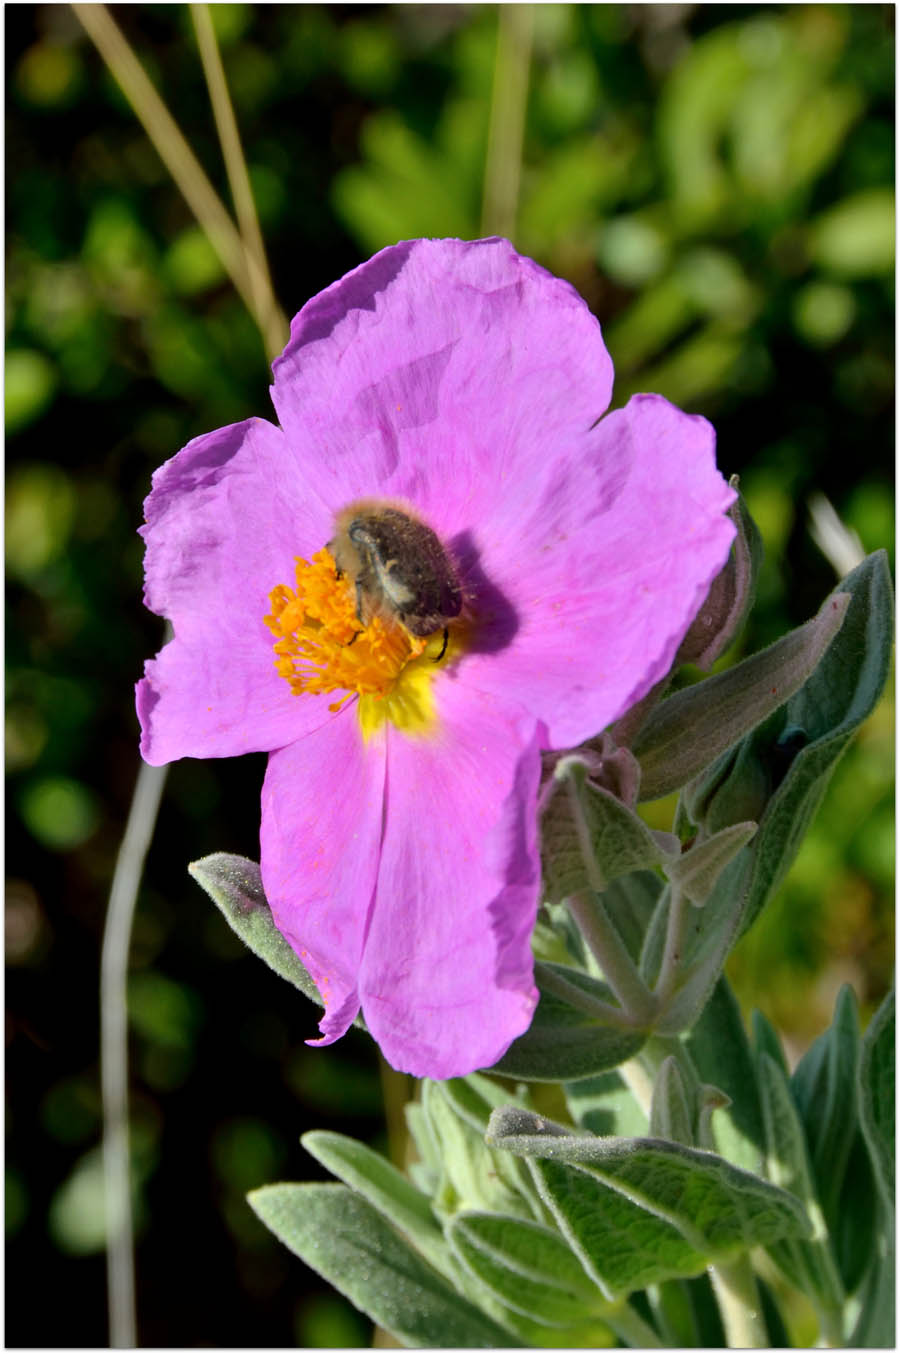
column 319, row 645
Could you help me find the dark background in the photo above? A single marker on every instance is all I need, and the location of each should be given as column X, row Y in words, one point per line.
column 717, row 181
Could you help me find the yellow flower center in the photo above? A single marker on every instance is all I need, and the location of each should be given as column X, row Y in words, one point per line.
column 321, row 646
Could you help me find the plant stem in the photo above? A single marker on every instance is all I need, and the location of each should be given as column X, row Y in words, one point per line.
column 114, row 1052
column 632, row 1328
column 396, row 1091
column 737, row 1297
column 608, row 948
column 271, row 322
column 551, row 980
column 639, row 1082
column 509, row 96
column 178, row 158
column 676, row 927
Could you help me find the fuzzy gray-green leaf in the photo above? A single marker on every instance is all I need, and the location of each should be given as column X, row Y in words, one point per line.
column 590, row 837
column 828, row 709
column 877, row 1102
column 783, row 767
column 824, row 1089
column 670, row 1109
column 810, row 1264
column 720, row 1051
column 638, row 1211
column 345, row 1239
column 689, row 730
column 697, row 870
column 235, row 886
column 564, row 1043
column 387, row 1190
column 876, row 1325
column 472, row 1175
column 527, row 1267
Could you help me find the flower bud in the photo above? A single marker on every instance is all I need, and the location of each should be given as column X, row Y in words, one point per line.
column 730, row 595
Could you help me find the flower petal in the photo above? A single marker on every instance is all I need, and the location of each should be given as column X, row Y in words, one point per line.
column 225, row 519
column 431, row 371
column 600, row 567
column 446, row 979
column 322, row 810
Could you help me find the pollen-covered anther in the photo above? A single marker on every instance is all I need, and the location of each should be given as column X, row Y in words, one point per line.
column 320, row 645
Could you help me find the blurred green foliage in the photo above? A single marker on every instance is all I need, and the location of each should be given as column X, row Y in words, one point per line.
column 717, row 181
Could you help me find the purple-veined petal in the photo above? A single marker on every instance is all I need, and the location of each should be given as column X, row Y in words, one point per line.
column 446, row 979
column 431, row 371
column 600, row 568
column 322, row 813
column 464, row 379
column 225, row 519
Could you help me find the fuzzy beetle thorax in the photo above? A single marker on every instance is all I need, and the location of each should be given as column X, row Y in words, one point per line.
column 398, row 565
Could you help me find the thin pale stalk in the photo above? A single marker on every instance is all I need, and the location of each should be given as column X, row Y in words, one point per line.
column 600, row 935
column 396, row 1091
column 619, row 969
column 632, row 1328
column 506, row 129
column 174, row 151
column 114, row 1053
column 673, row 951
column 553, row 981
column 272, row 321
column 737, row 1297
column 639, row 1082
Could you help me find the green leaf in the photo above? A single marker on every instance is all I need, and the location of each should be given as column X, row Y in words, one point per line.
column 829, row 708
column 30, row 381
column 687, row 1313
column 386, row 1189
column 856, row 237
column 735, row 789
column 772, row 1316
column 630, row 902
column 235, row 886
column 638, row 1211
column 705, row 945
column 564, row 1043
column 784, row 766
column 406, row 186
column 472, row 1175
column 807, row 1263
column 529, row 1268
column 697, row 870
column 824, row 1089
column 766, row 1040
column 622, row 1245
column 690, row 729
column 589, row 837
column 606, row 1106
column 426, row 1172
column 473, row 1098
column 720, row 1051
column 858, row 1228
column 344, row 1239
column 876, row 1095
column 670, row 1109
column 876, row 1325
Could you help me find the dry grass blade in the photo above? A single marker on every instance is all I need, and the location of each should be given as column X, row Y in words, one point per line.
column 177, row 156
column 503, row 167
column 272, row 322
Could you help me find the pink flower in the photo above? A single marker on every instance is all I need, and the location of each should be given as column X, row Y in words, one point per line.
column 399, row 848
